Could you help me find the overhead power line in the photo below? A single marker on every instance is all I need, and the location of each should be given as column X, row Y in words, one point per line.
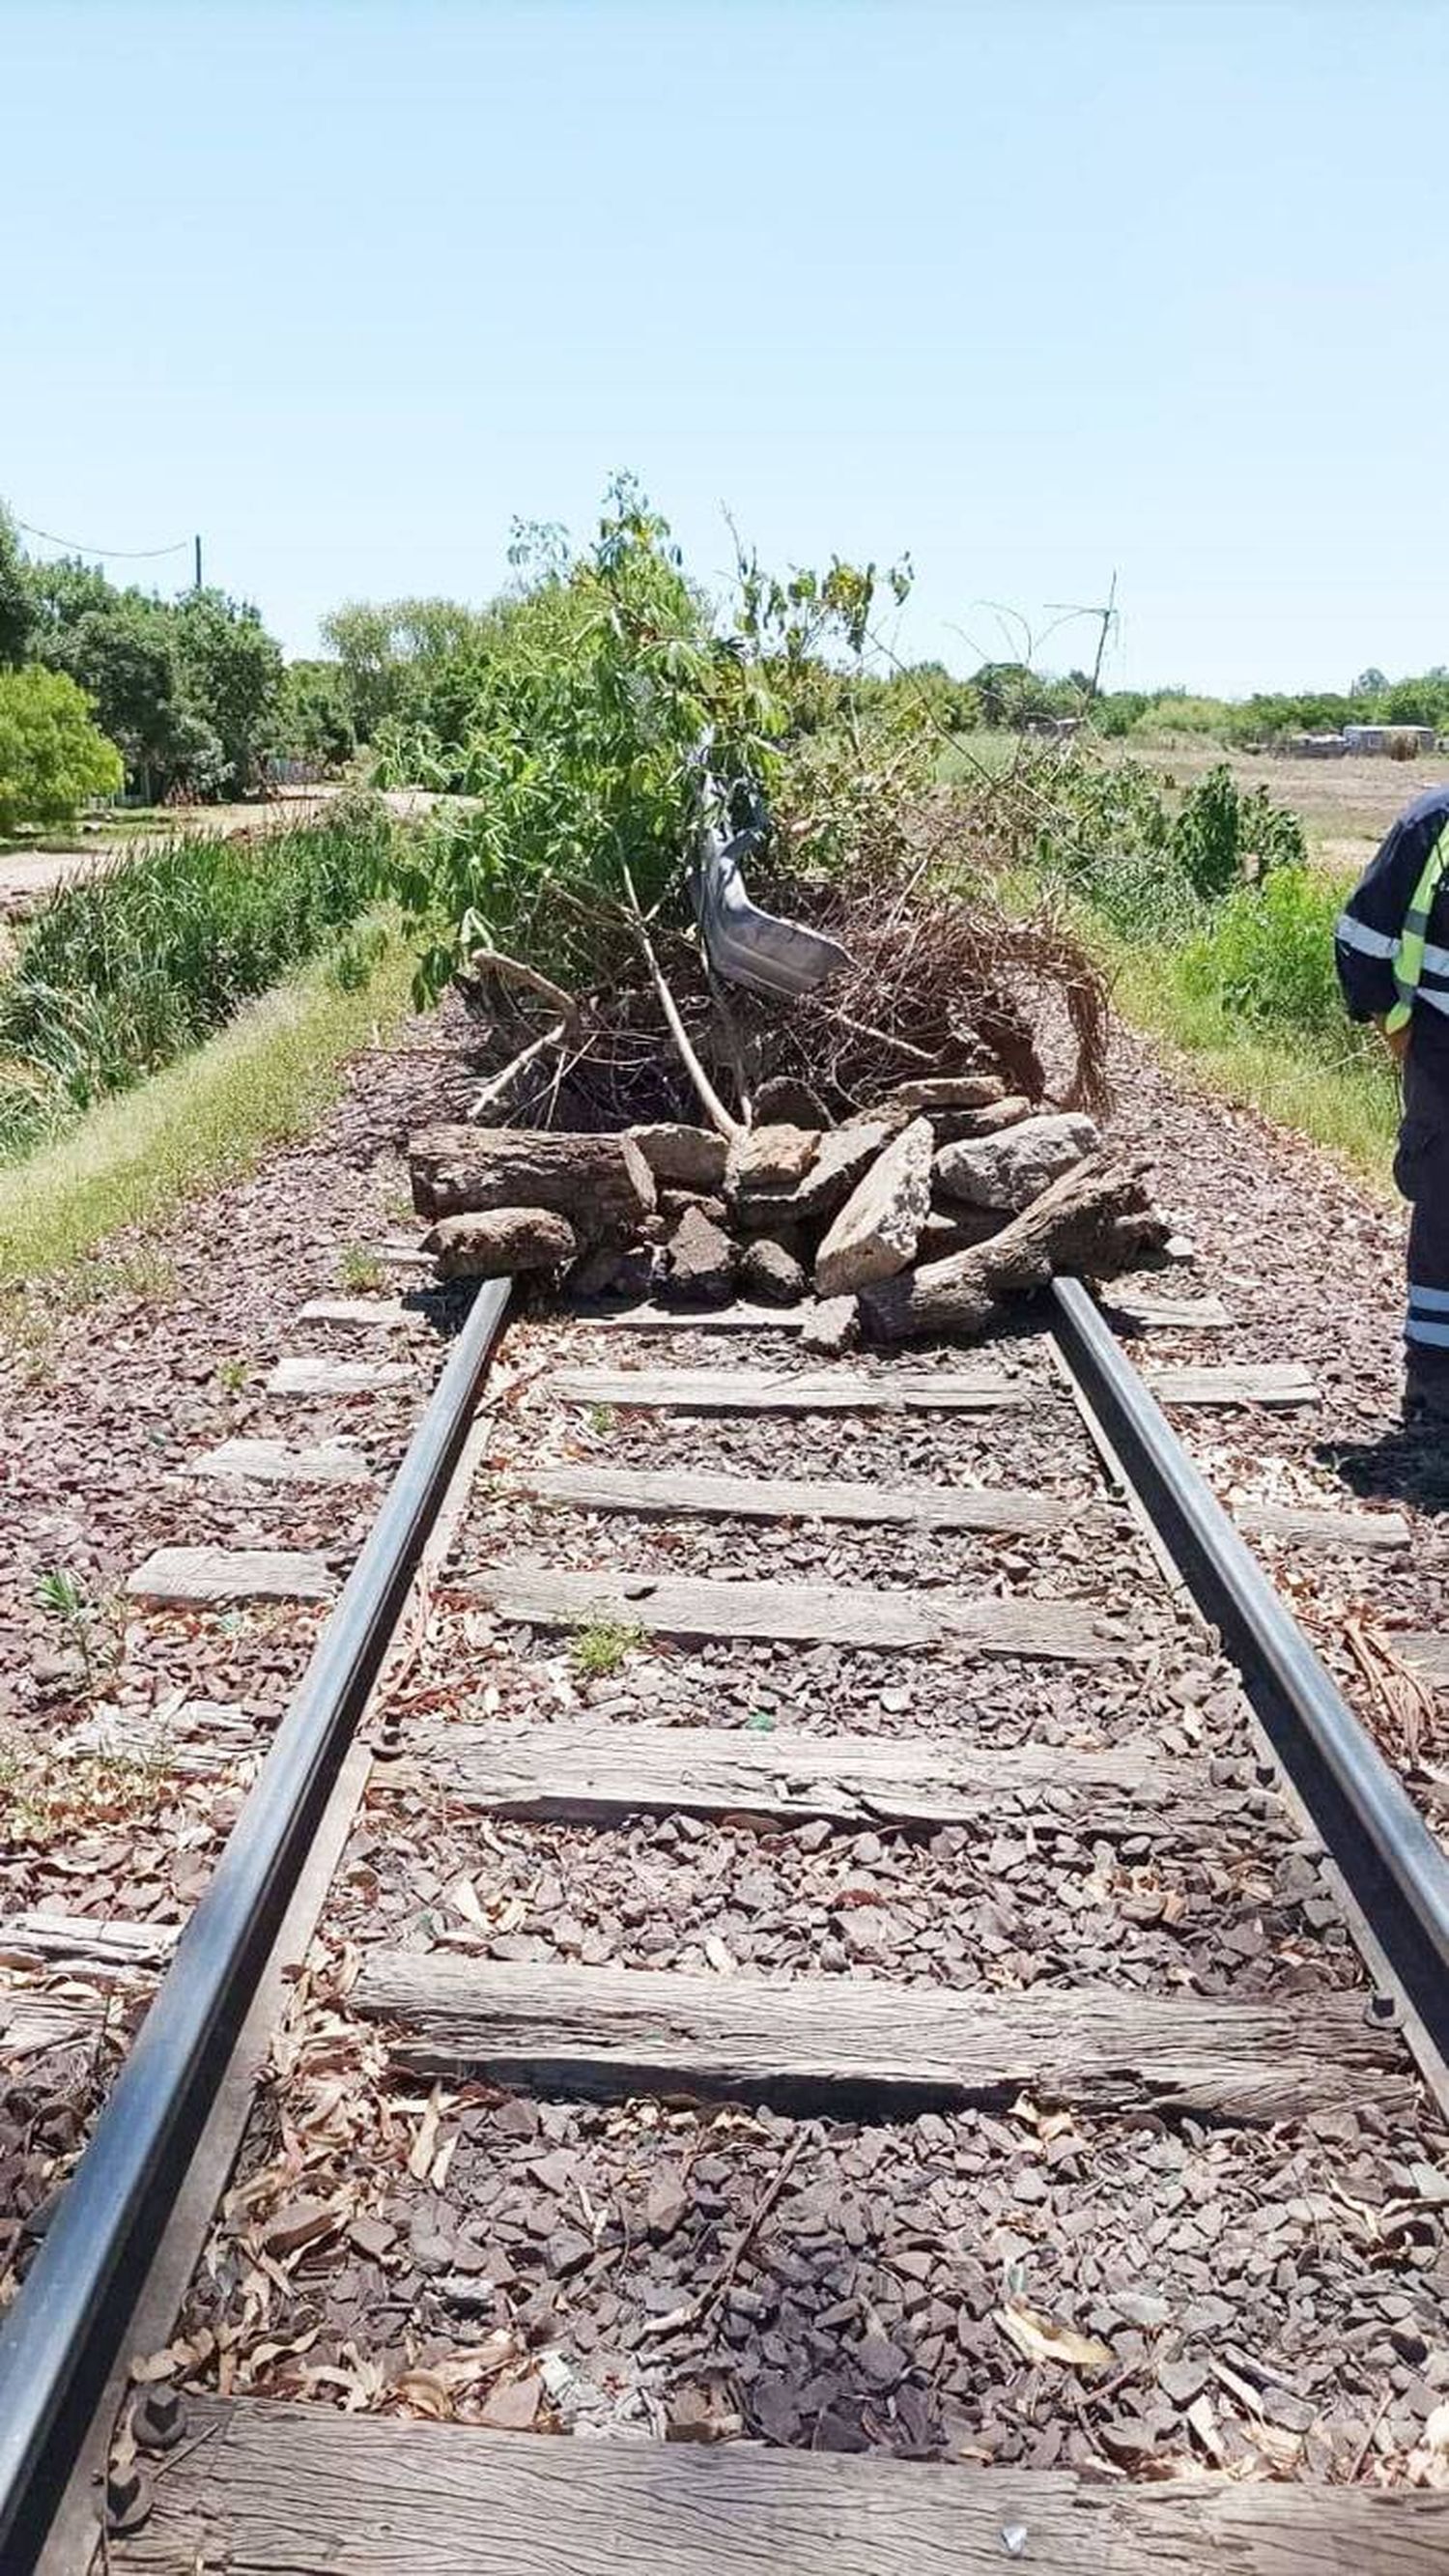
column 108, row 554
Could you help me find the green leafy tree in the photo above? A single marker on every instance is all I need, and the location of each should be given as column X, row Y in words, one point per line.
column 118, row 647
column 53, row 757
column 312, row 720
column 230, row 673
column 17, row 606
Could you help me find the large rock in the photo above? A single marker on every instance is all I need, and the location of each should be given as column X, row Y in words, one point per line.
column 844, row 1153
column 769, row 1158
column 1010, row 1170
column 877, row 1230
column 601, row 1183
column 948, row 1091
column 771, row 1271
column 782, row 1101
column 701, row 1260
column 690, row 1158
column 832, row 1328
column 957, row 1229
column 495, row 1245
column 952, row 1124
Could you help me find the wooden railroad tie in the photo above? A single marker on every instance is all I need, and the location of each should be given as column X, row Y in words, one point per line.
column 271, row 2487
column 827, row 1390
column 271, row 1462
column 819, row 1613
column 674, row 1491
column 200, row 1575
column 612, row 2032
column 1276, row 1383
column 294, row 1375
column 595, row 1773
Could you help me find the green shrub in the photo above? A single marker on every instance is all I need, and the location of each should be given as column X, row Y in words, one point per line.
column 52, row 757
column 1266, row 957
column 127, row 970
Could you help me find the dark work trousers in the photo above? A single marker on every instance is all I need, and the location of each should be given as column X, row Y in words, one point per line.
column 1421, row 1171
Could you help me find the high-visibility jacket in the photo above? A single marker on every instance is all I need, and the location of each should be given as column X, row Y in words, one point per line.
column 1391, row 943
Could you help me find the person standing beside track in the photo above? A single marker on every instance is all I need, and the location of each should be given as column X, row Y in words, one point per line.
column 1391, row 948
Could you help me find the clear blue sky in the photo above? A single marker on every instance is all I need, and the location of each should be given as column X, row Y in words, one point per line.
column 1034, row 290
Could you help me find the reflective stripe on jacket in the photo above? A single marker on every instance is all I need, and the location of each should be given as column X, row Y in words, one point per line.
column 1381, row 968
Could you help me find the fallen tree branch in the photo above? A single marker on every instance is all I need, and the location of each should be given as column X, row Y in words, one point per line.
column 500, row 1084
column 512, row 970
column 714, row 1108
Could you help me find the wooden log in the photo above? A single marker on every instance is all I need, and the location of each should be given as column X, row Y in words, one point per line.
column 494, row 1243
column 596, row 1773
column 274, row 2488
column 1096, row 1218
column 832, row 1390
column 837, row 1614
column 602, row 1184
column 611, row 2032
column 670, row 1491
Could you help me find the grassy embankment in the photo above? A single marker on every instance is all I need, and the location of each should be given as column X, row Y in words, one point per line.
column 164, row 1025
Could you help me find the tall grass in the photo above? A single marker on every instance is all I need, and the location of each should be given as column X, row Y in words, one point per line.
column 124, row 972
column 268, row 1074
column 1250, row 997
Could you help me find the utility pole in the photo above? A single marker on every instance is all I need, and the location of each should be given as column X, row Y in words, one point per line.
column 197, row 543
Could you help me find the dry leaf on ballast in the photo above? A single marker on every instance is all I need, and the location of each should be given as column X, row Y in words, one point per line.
column 1039, row 2338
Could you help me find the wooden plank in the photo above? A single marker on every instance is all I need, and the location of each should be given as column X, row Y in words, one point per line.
column 649, row 1491
column 1168, row 1314
column 616, row 2031
column 1277, row 1383
column 738, row 1318
column 274, row 2488
column 1367, row 1533
column 208, row 1574
column 827, row 1390
column 381, row 1314
column 271, row 1462
column 296, row 1376
column 594, row 1773
column 837, row 1614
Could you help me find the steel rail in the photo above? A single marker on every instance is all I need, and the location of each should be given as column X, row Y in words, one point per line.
column 62, row 2333
column 1394, row 1867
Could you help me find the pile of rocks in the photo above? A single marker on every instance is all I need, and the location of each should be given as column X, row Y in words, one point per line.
column 916, row 1215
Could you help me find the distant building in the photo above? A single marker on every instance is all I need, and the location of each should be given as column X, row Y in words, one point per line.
column 1317, row 746
column 1386, row 741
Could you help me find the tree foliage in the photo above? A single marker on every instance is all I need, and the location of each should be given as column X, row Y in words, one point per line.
column 595, row 682
column 52, row 756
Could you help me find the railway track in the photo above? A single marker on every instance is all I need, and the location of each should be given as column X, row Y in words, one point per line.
column 817, row 1967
